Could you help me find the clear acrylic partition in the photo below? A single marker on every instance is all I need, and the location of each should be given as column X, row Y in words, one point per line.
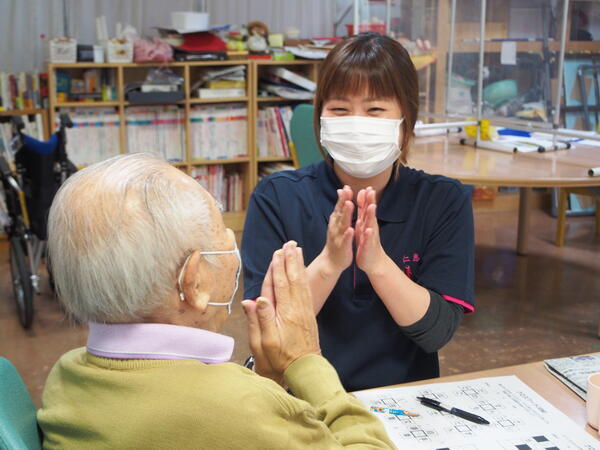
column 522, row 53
column 520, row 63
column 458, row 58
column 414, row 23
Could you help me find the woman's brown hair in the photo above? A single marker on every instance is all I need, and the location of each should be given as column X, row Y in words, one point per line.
column 378, row 64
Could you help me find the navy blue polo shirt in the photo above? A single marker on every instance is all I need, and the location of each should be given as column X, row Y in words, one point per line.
column 426, row 227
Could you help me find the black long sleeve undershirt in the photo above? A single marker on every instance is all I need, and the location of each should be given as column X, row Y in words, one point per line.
column 437, row 326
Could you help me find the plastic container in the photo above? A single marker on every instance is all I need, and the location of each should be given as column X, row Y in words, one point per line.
column 499, row 92
column 189, row 20
column 119, row 51
column 366, row 27
column 63, row 50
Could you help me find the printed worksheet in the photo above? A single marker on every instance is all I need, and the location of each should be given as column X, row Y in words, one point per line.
column 519, row 418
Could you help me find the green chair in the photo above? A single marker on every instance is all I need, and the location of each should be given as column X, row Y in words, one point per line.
column 303, row 136
column 18, row 424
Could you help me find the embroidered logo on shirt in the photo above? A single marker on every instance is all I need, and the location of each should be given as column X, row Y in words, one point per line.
column 406, row 260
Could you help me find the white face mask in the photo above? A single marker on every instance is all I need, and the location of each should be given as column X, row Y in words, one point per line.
column 362, row 146
column 237, row 277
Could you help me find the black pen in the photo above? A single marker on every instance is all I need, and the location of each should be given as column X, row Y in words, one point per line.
column 429, row 402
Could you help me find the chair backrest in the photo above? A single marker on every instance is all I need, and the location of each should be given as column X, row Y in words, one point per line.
column 18, row 424
column 303, row 136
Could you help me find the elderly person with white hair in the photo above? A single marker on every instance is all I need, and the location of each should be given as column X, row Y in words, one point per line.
column 139, row 251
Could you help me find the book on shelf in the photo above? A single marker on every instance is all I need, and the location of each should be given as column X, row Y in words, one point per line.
column 94, row 136
column 225, row 187
column 231, row 73
column 574, row 371
column 156, row 129
column 219, row 131
column 23, row 90
column 230, row 81
column 294, row 78
column 149, row 87
column 270, row 168
column 286, row 92
column 273, row 136
column 226, row 84
column 275, row 85
column 221, row 93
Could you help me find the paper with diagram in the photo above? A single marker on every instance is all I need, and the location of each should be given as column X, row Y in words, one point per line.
column 519, row 418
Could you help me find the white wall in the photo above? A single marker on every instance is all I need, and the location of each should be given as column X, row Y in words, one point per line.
column 312, row 17
column 23, row 21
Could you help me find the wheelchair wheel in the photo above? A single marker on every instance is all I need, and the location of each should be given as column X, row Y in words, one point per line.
column 21, row 279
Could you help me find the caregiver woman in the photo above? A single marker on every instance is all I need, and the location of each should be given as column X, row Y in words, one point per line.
column 389, row 249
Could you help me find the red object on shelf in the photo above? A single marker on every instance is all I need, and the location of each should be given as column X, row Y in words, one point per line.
column 203, row 41
column 366, row 27
column 258, row 56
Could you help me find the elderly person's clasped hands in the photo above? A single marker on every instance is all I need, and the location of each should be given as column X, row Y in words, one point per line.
column 281, row 322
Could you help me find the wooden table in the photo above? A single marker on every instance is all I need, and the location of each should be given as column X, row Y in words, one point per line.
column 564, row 168
column 538, row 379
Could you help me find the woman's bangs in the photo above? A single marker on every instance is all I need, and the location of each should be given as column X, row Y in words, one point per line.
column 349, row 80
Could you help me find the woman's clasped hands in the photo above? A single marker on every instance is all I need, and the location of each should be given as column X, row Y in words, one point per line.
column 365, row 234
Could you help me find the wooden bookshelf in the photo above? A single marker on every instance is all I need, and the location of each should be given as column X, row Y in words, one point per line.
column 275, row 99
column 30, row 112
column 86, row 104
column 247, row 166
column 22, row 112
column 309, row 69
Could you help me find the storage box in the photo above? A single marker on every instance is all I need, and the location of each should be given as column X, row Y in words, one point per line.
column 154, row 98
column 189, row 20
column 62, row 50
column 119, row 51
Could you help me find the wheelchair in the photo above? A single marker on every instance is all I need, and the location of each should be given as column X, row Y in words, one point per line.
column 30, row 180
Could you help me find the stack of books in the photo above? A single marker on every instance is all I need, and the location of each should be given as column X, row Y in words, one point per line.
column 284, row 83
column 156, row 129
column 219, row 131
column 227, row 82
column 94, row 136
column 23, row 90
column 226, row 188
column 273, row 136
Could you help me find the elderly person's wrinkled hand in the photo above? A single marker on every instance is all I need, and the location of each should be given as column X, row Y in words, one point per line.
column 282, row 324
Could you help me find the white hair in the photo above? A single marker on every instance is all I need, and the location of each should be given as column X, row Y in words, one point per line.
column 118, row 232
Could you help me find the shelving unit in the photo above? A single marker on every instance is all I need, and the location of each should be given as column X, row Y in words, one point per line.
column 128, row 72
column 306, row 67
column 29, row 112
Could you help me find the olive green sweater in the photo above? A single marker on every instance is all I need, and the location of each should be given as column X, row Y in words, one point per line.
column 91, row 402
